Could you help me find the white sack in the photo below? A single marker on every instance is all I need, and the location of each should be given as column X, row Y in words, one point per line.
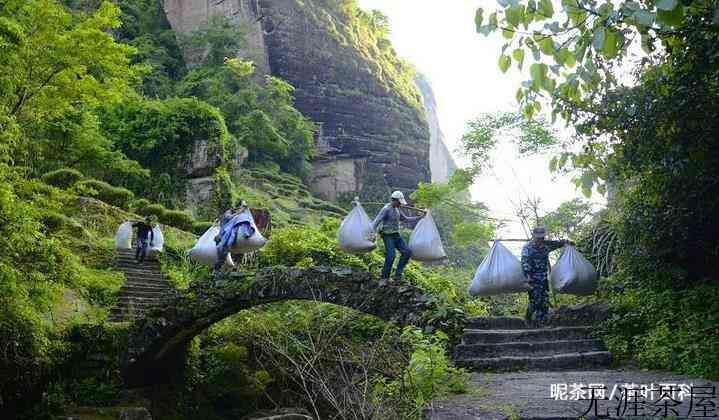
column 356, row 231
column 123, row 237
column 500, row 272
column 573, row 274
column 205, row 249
column 424, row 242
column 158, row 241
column 253, row 243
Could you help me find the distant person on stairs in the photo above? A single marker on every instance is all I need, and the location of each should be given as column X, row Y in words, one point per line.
column 145, row 237
column 389, row 217
column 535, row 262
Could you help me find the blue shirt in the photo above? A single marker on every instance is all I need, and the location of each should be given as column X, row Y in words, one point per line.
column 390, row 217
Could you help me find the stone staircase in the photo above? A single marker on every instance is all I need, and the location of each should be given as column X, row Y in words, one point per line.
column 507, row 344
column 145, row 286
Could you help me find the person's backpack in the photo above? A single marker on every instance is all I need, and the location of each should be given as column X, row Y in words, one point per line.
column 355, row 233
column 425, row 242
column 573, row 274
column 500, row 272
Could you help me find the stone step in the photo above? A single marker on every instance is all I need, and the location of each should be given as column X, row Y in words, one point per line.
column 498, row 323
column 148, row 294
column 132, row 261
column 143, row 273
column 142, row 277
column 539, row 348
column 528, row 335
column 136, row 300
column 145, row 287
column 157, row 284
column 564, row 361
column 128, row 253
column 119, row 315
column 140, row 270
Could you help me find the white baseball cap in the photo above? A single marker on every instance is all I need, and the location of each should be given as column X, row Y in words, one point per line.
column 397, row 195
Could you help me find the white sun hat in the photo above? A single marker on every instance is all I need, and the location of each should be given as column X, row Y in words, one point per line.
column 397, row 195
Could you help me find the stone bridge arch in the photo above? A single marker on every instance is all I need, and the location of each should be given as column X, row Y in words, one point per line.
column 158, row 342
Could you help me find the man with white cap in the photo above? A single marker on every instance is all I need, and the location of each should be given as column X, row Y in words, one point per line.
column 390, row 217
column 535, row 263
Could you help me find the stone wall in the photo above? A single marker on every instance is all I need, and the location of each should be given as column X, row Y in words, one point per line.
column 367, row 129
column 186, row 16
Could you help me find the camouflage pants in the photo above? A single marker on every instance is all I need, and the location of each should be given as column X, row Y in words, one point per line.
column 538, row 298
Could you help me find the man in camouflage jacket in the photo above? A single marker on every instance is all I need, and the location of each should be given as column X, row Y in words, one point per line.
column 535, row 262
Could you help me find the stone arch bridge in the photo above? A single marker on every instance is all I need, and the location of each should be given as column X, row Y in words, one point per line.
column 158, row 343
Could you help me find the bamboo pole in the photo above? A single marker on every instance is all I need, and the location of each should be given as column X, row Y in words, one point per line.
column 509, row 240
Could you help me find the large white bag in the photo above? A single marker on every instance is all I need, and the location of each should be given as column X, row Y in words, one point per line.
column 573, row 274
column 500, row 272
column 424, row 242
column 205, row 249
column 253, row 243
column 356, row 231
column 123, row 237
column 158, row 241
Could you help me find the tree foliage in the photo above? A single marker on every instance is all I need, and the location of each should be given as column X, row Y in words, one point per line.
column 575, row 49
column 484, row 132
column 261, row 117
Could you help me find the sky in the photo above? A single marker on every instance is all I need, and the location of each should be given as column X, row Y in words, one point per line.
column 438, row 37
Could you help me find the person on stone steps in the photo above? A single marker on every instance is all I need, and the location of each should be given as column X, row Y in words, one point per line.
column 145, row 236
column 535, row 263
column 231, row 225
column 389, row 217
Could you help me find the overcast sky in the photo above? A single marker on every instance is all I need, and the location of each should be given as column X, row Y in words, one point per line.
column 439, row 38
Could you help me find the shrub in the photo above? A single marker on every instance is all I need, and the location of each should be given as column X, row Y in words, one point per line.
column 62, row 178
column 116, row 196
column 140, row 204
column 177, row 218
column 200, row 227
column 157, row 210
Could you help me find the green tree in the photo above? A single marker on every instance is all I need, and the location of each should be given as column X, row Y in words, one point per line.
column 56, row 67
column 161, row 135
column 59, row 60
column 575, row 50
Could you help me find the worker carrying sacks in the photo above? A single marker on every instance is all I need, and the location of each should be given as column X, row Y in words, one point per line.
column 573, row 274
column 500, row 272
column 251, row 242
column 356, row 234
column 205, row 249
column 425, row 242
column 123, row 237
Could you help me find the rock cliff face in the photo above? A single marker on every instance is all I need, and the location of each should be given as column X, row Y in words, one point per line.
column 371, row 138
column 441, row 162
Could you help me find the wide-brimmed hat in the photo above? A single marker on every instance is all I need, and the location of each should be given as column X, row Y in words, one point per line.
column 397, row 195
column 539, row 232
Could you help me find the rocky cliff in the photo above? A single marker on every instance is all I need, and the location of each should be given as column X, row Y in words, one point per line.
column 441, row 162
column 373, row 131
